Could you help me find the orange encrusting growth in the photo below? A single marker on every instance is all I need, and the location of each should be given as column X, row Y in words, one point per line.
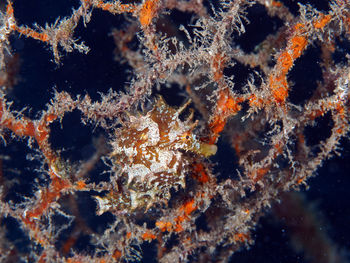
column 226, row 107
column 199, row 173
column 323, row 21
column 28, row 32
column 188, row 207
column 38, row 130
column 9, row 9
column 147, row 12
column 80, row 185
column 297, row 44
column 24, row 30
column 184, row 211
column 47, row 197
column 110, row 7
column 255, row 101
column 278, row 79
column 164, row 226
column 148, row 236
column 25, row 127
column 241, row 237
column 117, row 254
column 276, row 4
column 259, row 174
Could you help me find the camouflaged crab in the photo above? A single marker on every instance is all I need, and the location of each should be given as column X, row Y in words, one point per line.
column 150, row 149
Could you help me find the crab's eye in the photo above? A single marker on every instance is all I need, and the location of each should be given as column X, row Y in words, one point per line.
column 187, row 137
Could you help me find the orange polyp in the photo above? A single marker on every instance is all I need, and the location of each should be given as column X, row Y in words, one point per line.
column 117, row 254
column 9, row 9
column 107, row 6
column 241, row 237
column 188, row 207
column 164, row 226
column 278, row 80
column 286, row 62
column 41, row 135
column 147, row 12
column 279, row 147
column 260, row 173
column 276, row 3
column 226, row 107
column 148, row 236
column 33, row 34
column 280, row 94
column 298, row 45
column 81, row 185
column 218, row 126
column 178, row 228
column 279, row 88
column 299, row 27
column 51, row 117
column 322, row 22
column 254, row 101
column 29, row 129
column 47, row 197
column 200, row 173
column 20, row 127
column 184, row 211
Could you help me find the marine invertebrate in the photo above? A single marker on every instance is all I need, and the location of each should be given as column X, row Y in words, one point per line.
column 151, row 151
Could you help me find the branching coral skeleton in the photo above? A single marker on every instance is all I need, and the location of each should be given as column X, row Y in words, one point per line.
column 158, row 159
